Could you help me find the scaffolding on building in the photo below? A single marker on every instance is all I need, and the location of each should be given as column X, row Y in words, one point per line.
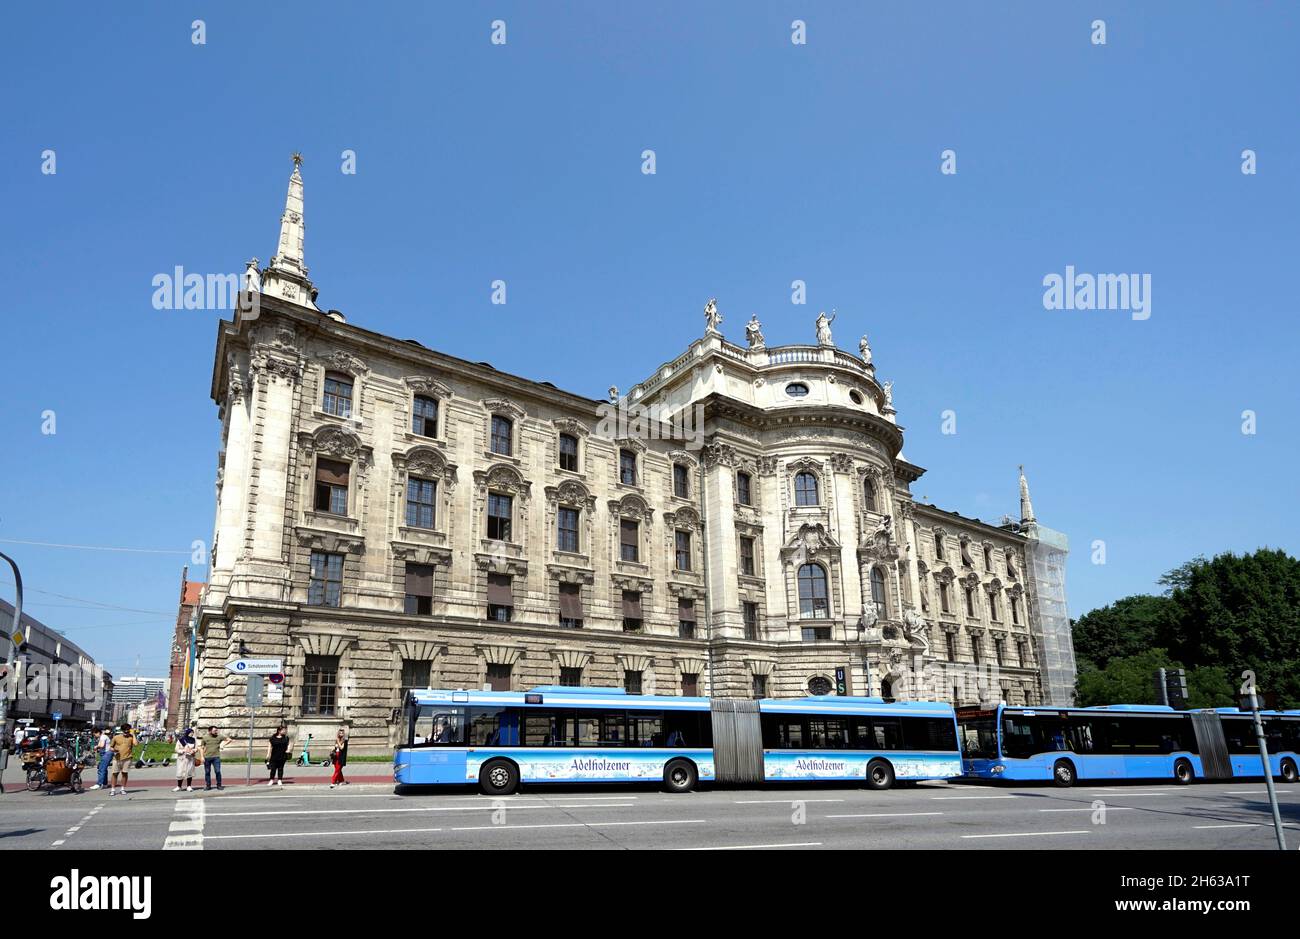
column 1052, row 632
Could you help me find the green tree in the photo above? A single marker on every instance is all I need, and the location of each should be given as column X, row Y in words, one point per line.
column 1124, row 628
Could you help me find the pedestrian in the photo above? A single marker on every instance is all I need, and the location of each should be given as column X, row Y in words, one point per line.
column 185, row 751
column 210, row 753
column 339, row 758
column 104, row 751
column 123, row 744
column 277, row 752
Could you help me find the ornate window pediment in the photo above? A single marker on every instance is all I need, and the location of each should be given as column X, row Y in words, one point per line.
column 568, row 426
column 426, row 462
column 681, row 456
column 335, row 441
column 811, row 540
column 423, row 385
column 971, row 580
column 993, row 586
column 341, row 361
column 945, row 575
column 503, row 478
column 630, row 443
column 1015, row 590
column 805, row 464
column 682, row 518
column 571, row 492
column 330, row 542
column 631, row 506
column 504, row 407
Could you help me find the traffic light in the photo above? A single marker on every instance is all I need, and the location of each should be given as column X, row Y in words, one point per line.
column 1171, row 687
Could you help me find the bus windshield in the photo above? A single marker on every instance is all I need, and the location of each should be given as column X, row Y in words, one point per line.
column 979, row 738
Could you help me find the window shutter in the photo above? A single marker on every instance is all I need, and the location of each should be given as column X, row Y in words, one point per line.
column 419, row 580
column 331, row 472
column 498, row 590
column 686, row 610
column 570, row 601
column 631, row 605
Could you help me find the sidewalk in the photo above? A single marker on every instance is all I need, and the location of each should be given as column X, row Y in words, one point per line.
column 232, row 775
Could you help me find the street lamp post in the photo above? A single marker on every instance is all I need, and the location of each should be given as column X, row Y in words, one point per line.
column 9, row 660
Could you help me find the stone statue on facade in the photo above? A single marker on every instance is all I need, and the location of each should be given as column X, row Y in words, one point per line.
column 712, row 317
column 754, row 332
column 889, row 395
column 824, row 329
column 613, row 394
column 864, row 348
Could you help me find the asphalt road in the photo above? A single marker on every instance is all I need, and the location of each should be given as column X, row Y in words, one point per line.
column 928, row 815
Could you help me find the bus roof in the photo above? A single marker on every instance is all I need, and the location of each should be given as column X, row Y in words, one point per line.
column 1119, row 708
column 619, row 698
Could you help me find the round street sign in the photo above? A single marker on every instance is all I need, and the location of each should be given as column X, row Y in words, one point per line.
column 275, row 679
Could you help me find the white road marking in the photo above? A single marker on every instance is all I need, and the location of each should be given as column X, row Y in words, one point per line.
column 953, row 798
column 1029, row 834
column 1088, row 808
column 1242, row 825
column 186, row 832
column 59, row 842
column 746, row 847
column 779, row 801
column 77, row 827
column 886, row 815
column 324, row 834
column 672, row 821
column 486, row 807
column 1254, row 792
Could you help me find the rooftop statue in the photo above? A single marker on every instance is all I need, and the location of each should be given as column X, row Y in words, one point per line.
column 712, row 318
column 864, row 348
column 754, row 332
column 824, row 329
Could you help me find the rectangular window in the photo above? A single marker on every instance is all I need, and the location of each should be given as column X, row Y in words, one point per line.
column 994, row 612
column 628, row 543
column 326, row 585
column 681, row 482
column 1015, row 611
column 816, row 633
column 742, row 489
column 750, row 611
column 571, row 614
column 938, row 547
column 683, row 558
column 760, row 686
column 421, row 495
column 685, row 618
column 499, row 512
column 567, row 534
column 501, row 434
column 498, row 677
column 976, row 648
column 747, row 555
column 632, row 617
column 419, row 589
column 970, row 601
column 632, row 682
column 424, row 416
column 999, row 649
column 500, row 598
column 690, row 685
column 568, row 452
column 320, row 685
column 331, row 487
column 1021, row 658
column 570, row 677
column 943, row 598
column 337, row 399
column 627, row 467
column 415, row 674
column 952, row 646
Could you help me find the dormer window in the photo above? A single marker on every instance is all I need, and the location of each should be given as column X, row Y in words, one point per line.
column 424, row 416
column 337, row 399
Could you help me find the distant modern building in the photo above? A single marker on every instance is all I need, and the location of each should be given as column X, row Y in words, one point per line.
column 129, row 692
column 53, row 676
column 191, row 592
column 739, row 523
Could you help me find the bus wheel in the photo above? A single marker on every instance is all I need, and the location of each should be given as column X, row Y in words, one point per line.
column 1289, row 774
column 680, row 776
column 1063, row 774
column 498, row 778
column 1183, row 772
column 880, row 775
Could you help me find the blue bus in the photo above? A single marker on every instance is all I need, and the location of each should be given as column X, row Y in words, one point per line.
column 1124, row 741
column 500, row 739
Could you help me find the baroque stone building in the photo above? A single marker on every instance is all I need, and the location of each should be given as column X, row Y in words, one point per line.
column 740, row 523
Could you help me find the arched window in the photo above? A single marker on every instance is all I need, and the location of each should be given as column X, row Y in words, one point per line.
column 805, row 489
column 868, row 494
column 812, row 592
column 878, row 591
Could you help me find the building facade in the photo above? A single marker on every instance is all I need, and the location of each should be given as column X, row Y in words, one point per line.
column 739, row 523
column 50, row 675
column 177, row 704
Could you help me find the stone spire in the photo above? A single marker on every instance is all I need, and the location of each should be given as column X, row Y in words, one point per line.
column 287, row 274
column 1026, row 507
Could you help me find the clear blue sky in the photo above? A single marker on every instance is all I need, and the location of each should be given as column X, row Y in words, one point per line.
column 775, row 162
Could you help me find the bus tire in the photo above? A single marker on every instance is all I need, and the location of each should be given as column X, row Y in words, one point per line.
column 498, row 778
column 880, row 774
column 1183, row 772
column 1063, row 774
column 680, row 776
column 1289, row 772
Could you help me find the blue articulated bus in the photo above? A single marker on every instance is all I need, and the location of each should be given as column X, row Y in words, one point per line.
column 500, row 739
column 1124, row 741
